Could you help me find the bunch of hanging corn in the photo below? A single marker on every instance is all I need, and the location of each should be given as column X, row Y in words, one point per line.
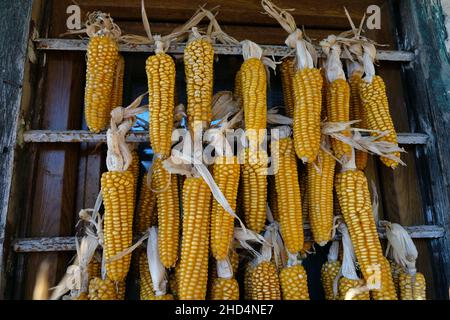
column 198, row 62
column 320, row 197
column 193, row 273
column 102, row 66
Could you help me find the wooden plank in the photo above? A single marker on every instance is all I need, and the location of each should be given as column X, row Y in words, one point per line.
column 53, row 244
column 420, row 25
column 311, row 13
column 14, row 27
column 72, row 136
column 269, row 50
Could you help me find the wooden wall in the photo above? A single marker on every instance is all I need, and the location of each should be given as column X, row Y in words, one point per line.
column 65, row 177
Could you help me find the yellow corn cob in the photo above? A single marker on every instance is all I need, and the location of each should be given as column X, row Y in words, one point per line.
column 102, row 289
column 121, row 288
column 226, row 175
column 168, row 213
column 254, row 190
column 147, row 214
column 163, row 297
column 145, row 280
column 287, row 75
column 198, row 62
column 272, row 197
column 94, row 269
column 234, row 260
column 161, row 89
column 307, row 88
column 248, row 273
column 303, row 182
column 320, row 197
column 118, row 199
column 195, row 240
column 254, row 95
column 330, row 270
column 225, row 289
column 265, row 284
column 134, row 167
column 396, row 269
column 288, row 192
column 102, row 59
column 346, row 284
column 338, row 110
column 356, row 113
column 355, row 202
column 323, row 115
column 117, row 93
column 294, row 283
column 238, row 86
column 376, row 112
column 412, row 287
column 388, row 290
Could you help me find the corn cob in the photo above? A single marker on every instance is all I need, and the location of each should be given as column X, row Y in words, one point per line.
column 134, row 167
column 355, row 202
column 265, row 284
column 356, row 113
column 329, row 271
column 102, row 289
column 323, row 115
column 145, row 279
column 294, row 283
column 168, row 213
column 117, row 93
column 161, row 87
column 198, row 62
column 102, row 59
column 121, row 288
column 118, row 198
column 320, row 197
column 147, row 214
column 288, row 192
column 307, row 88
column 412, row 287
column 376, row 112
column 396, row 269
column 195, row 242
column 338, row 110
column 346, row 284
column 287, row 74
column 226, row 175
column 234, row 260
column 248, row 281
column 94, row 269
column 238, row 86
column 225, row 289
column 254, row 189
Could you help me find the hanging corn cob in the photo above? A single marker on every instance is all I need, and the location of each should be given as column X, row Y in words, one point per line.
column 355, row 202
column 102, row 61
column 306, row 87
column 248, row 273
column 320, row 196
column 102, row 289
column 146, row 215
column 224, row 286
column 238, row 86
column 287, row 71
column 330, row 271
column 396, row 269
column 288, row 191
column 145, row 280
column 272, row 197
column 135, row 166
column 375, row 104
column 118, row 193
column 350, row 286
column 294, row 282
column 117, row 93
column 411, row 283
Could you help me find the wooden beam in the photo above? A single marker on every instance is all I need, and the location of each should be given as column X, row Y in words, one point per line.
column 53, row 244
column 420, row 25
column 71, row 136
column 270, row 50
column 14, row 27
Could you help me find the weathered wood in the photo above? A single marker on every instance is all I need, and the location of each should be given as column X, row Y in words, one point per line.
column 270, row 50
column 420, row 27
column 53, row 244
column 49, row 136
column 14, row 26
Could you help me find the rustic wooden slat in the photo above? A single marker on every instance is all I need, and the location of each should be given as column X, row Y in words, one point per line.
column 270, row 50
column 48, row 136
column 53, row 244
